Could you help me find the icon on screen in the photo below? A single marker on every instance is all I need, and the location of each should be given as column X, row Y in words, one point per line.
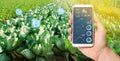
column 84, row 11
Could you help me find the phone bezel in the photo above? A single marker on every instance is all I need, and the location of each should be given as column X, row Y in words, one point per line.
column 82, row 45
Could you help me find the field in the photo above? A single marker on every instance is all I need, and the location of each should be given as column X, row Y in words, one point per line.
column 32, row 45
column 8, row 8
column 38, row 34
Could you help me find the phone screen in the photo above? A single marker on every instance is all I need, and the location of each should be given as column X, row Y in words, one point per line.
column 82, row 25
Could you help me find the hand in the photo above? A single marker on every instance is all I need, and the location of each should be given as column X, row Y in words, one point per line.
column 99, row 40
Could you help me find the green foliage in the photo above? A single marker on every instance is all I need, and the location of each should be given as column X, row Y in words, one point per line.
column 18, row 39
column 3, row 57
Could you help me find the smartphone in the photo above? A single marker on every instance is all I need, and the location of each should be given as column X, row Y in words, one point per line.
column 82, row 32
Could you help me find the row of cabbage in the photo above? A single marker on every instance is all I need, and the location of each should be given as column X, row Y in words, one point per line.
column 39, row 34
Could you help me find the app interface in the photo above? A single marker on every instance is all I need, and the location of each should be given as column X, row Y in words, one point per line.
column 82, row 25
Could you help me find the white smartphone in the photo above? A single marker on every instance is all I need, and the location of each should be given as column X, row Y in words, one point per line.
column 82, row 28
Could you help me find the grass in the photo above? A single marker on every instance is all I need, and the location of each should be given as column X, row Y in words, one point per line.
column 8, row 8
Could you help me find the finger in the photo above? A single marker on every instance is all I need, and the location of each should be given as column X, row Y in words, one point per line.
column 70, row 21
column 70, row 38
column 70, row 30
column 98, row 22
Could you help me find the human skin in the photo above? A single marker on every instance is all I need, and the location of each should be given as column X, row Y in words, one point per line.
column 100, row 51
